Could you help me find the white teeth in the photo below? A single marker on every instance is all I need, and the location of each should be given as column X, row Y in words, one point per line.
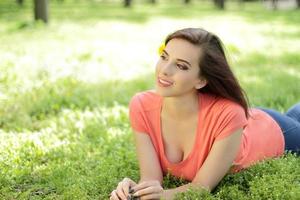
column 165, row 82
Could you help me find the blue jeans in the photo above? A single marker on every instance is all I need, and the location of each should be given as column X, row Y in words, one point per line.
column 290, row 126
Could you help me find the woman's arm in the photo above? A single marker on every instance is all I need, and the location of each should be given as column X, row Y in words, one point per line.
column 150, row 170
column 148, row 161
column 215, row 167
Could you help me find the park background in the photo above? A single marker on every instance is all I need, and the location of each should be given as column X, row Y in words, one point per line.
column 65, row 86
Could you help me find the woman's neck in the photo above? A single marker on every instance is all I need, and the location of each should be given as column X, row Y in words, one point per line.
column 180, row 107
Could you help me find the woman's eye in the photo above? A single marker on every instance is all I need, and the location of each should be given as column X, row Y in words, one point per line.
column 163, row 57
column 182, row 67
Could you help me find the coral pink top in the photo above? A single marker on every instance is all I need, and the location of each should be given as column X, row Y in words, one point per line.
column 217, row 119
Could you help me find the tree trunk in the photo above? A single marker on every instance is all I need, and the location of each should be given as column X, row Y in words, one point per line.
column 220, row 4
column 20, row 2
column 298, row 3
column 127, row 3
column 274, row 4
column 41, row 10
column 187, row 1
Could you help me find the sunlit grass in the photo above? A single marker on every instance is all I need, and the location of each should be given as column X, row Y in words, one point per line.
column 65, row 88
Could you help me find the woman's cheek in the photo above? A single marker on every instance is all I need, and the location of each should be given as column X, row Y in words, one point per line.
column 157, row 67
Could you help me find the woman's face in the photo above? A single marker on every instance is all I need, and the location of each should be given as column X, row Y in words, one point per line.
column 177, row 70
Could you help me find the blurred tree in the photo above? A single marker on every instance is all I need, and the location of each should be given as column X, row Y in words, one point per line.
column 20, row 2
column 274, row 4
column 127, row 3
column 187, row 1
column 41, row 10
column 153, row 1
column 220, row 4
column 298, row 3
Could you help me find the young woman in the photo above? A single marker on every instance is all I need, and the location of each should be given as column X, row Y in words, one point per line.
column 196, row 124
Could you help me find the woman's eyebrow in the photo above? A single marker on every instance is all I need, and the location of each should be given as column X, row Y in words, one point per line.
column 181, row 60
column 185, row 62
column 166, row 52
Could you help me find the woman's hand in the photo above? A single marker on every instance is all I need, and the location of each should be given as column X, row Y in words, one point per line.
column 122, row 191
column 148, row 190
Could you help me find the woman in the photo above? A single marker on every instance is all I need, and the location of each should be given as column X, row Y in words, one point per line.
column 196, row 124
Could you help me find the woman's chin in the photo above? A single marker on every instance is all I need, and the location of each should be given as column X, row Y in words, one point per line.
column 163, row 92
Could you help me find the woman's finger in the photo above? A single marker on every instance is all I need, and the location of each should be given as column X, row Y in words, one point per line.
column 148, row 191
column 125, row 185
column 131, row 191
column 142, row 185
column 114, row 196
column 146, row 184
column 120, row 191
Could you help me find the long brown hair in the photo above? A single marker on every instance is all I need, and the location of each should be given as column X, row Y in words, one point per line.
column 213, row 65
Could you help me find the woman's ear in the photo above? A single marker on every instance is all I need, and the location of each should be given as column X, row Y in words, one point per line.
column 202, row 83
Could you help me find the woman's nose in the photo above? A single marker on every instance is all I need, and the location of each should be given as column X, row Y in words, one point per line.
column 167, row 69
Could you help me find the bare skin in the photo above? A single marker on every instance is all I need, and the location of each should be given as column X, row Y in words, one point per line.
column 177, row 81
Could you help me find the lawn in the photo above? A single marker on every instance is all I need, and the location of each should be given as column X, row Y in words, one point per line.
column 65, row 89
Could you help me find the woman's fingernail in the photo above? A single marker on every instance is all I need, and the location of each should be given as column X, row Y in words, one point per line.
column 135, row 195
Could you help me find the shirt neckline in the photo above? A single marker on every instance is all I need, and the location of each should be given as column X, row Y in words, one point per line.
column 200, row 103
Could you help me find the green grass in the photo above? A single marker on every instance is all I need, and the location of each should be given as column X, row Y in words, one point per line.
column 65, row 88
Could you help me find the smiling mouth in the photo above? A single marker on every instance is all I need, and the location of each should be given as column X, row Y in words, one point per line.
column 164, row 83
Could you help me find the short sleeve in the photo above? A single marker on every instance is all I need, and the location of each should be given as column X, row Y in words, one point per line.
column 231, row 118
column 136, row 115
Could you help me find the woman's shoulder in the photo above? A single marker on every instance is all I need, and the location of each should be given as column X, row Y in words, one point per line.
column 215, row 101
column 146, row 100
column 220, row 107
column 146, row 96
